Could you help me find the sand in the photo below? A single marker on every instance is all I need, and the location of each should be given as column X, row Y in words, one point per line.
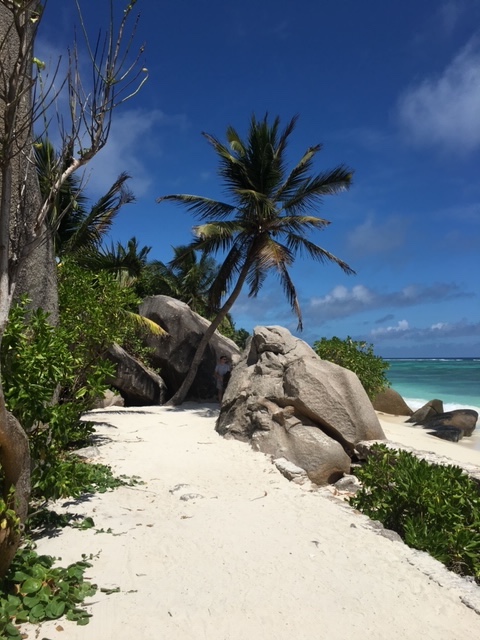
column 218, row 545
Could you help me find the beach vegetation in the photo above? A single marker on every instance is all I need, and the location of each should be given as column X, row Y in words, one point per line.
column 27, row 103
column 434, row 508
column 357, row 356
column 34, row 590
column 267, row 223
column 188, row 278
column 41, row 362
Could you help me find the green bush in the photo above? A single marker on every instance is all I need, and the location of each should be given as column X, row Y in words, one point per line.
column 34, row 590
column 95, row 311
column 52, row 375
column 70, row 476
column 433, row 508
column 357, row 357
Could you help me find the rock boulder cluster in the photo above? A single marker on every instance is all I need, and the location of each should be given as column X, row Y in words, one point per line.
column 281, row 397
column 291, row 404
column 174, row 353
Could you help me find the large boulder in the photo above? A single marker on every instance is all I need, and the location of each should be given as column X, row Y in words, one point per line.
column 463, row 420
column 390, row 401
column 291, row 404
column 174, row 353
column 431, row 409
column 137, row 384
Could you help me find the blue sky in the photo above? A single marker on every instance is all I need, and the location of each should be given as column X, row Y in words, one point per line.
column 390, row 89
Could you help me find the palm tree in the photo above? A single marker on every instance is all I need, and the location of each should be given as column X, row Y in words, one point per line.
column 78, row 232
column 187, row 278
column 118, row 259
column 75, row 227
column 266, row 225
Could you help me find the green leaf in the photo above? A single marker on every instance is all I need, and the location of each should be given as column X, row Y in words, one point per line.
column 31, row 601
column 31, row 585
column 12, row 631
column 20, row 576
column 87, row 523
column 37, row 614
column 55, row 609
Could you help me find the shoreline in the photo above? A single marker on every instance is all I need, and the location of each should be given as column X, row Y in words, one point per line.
column 218, row 544
column 466, row 451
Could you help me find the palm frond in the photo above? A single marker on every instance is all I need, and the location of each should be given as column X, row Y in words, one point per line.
column 204, row 208
column 227, row 273
column 313, row 190
column 290, row 293
column 299, row 244
column 298, row 174
column 235, row 142
column 255, row 279
column 114, row 258
column 93, row 227
column 142, row 322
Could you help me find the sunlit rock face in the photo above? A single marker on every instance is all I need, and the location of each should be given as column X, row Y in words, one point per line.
column 291, row 404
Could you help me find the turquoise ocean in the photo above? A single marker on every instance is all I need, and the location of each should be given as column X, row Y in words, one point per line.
column 455, row 381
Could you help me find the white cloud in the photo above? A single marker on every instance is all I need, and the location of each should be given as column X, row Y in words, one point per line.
column 444, row 110
column 342, row 302
column 439, row 326
column 436, row 331
column 401, row 327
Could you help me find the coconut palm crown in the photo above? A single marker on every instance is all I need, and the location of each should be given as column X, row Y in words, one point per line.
column 269, row 219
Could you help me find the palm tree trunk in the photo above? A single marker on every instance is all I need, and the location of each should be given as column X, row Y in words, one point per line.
column 179, row 396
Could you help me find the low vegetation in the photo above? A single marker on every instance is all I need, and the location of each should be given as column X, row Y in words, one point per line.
column 357, row 357
column 51, row 377
column 433, row 508
column 34, row 590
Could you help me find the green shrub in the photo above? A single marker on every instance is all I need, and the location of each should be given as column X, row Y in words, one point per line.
column 433, row 508
column 70, row 476
column 52, row 375
column 357, row 357
column 95, row 312
column 34, row 590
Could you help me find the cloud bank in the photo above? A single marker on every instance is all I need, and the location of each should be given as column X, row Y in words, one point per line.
column 443, row 110
column 342, row 302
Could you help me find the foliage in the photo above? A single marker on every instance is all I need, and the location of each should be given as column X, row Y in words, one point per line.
column 239, row 336
column 38, row 363
column 9, row 521
column 93, row 312
column 433, row 508
column 34, row 590
column 188, row 277
column 71, row 477
column 125, row 262
column 41, row 362
column 359, row 358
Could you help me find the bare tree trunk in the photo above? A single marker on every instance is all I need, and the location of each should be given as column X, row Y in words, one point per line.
column 19, row 196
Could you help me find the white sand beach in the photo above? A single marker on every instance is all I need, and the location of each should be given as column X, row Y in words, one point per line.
column 218, row 545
